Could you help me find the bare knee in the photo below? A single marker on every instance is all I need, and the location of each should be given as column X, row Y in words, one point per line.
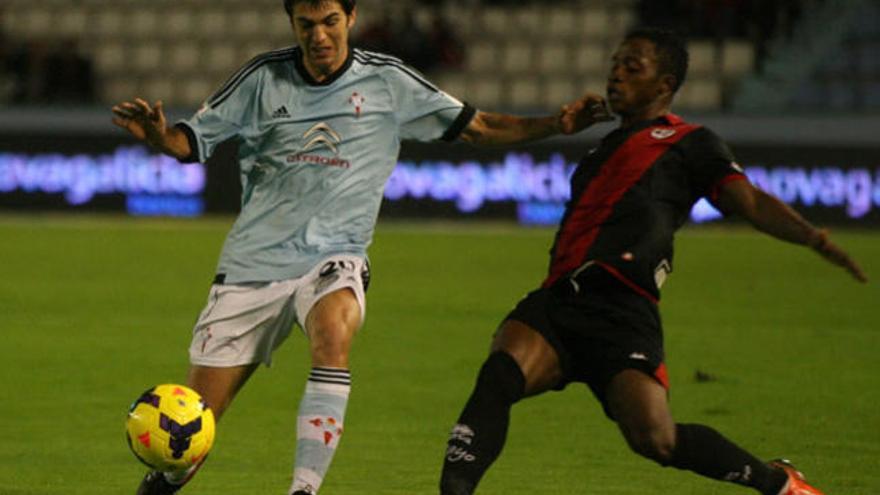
column 535, row 357
column 330, row 344
column 653, row 442
column 638, row 404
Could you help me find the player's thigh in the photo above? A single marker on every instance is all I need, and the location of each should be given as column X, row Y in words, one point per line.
column 331, row 325
column 528, row 334
column 333, row 293
column 242, row 324
column 330, row 306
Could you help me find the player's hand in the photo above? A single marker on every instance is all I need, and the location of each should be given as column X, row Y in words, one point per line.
column 834, row 254
column 588, row 110
column 143, row 121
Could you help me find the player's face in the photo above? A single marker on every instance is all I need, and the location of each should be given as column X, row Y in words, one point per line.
column 322, row 32
column 634, row 83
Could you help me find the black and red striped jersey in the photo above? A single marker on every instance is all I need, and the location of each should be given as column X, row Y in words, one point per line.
column 630, row 195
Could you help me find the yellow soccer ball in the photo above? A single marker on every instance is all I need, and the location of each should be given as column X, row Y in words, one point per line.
column 170, row 428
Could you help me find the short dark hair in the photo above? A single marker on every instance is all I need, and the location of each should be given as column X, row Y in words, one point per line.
column 347, row 5
column 672, row 53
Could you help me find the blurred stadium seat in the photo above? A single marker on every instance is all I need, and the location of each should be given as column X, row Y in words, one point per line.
column 110, row 58
column 221, row 58
column 179, row 24
column 702, row 58
column 34, row 23
column 198, row 89
column 148, row 24
column 517, row 57
column 592, row 23
column 108, row 24
column 485, row 92
column 560, row 22
column 455, row 84
column 554, row 59
column 73, row 24
column 558, row 90
column 120, row 88
column 737, row 58
column 525, row 92
column 159, row 88
column 247, row 23
column 184, row 57
column 496, row 21
column 210, row 23
column 702, row 93
column 589, row 59
column 481, row 57
column 527, row 21
column 146, row 58
column 510, row 50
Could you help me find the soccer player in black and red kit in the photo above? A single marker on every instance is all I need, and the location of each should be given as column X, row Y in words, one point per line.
column 594, row 319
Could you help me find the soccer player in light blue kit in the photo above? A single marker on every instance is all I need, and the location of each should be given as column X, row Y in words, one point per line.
column 319, row 129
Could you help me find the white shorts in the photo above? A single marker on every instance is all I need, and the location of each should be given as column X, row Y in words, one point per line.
column 243, row 323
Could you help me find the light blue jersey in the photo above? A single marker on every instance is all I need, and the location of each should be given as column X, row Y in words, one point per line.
column 315, row 157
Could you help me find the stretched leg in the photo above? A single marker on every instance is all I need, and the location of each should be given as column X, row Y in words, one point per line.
column 330, row 325
column 217, row 386
column 639, row 405
column 233, row 334
column 521, row 363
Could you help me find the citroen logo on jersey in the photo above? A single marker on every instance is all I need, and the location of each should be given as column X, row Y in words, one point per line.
column 662, row 133
column 319, row 135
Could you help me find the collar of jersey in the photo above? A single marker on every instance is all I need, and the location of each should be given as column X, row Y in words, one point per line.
column 304, row 73
column 665, row 119
column 669, row 119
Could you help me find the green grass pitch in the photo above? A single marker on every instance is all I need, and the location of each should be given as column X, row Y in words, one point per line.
column 95, row 310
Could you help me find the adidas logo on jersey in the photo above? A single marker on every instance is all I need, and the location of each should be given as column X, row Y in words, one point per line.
column 280, row 113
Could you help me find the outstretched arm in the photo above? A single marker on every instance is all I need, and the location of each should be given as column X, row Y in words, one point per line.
column 495, row 129
column 147, row 123
column 770, row 215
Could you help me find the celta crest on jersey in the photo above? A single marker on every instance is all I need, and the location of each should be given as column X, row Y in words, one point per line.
column 357, row 100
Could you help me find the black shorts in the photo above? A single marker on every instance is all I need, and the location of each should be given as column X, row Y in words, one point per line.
column 598, row 331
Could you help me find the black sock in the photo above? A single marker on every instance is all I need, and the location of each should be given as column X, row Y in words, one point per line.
column 704, row 451
column 477, row 439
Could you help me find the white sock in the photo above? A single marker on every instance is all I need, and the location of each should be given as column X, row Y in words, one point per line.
column 319, row 426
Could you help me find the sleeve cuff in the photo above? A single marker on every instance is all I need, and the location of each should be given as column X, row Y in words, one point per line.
column 716, row 189
column 464, row 118
column 193, row 143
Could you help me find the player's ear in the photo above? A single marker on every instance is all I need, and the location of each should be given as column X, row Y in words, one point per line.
column 667, row 85
column 352, row 17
